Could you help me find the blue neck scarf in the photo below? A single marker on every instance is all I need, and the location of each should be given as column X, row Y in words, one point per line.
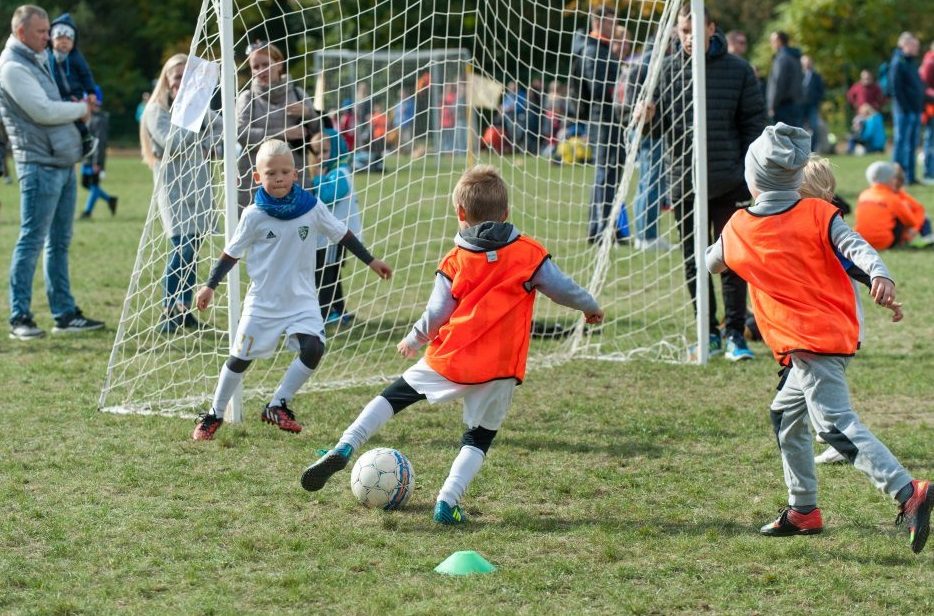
column 293, row 205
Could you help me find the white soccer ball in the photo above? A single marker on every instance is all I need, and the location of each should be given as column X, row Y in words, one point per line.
column 383, row 478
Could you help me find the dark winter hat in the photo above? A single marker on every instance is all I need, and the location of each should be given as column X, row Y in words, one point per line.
column 61, row 29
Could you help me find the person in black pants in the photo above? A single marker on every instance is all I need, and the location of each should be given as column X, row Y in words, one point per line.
column 735, row 118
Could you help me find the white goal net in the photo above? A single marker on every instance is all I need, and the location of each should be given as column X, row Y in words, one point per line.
column 418, row 95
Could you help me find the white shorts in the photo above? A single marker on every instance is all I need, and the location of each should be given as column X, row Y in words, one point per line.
column 485, row 404
column 258, row 337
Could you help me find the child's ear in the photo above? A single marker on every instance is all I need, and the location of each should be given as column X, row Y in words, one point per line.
column 461, row 212
column 256, row 176
column 294, row 175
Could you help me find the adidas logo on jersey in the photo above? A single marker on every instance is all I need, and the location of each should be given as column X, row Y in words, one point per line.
column 270, row 236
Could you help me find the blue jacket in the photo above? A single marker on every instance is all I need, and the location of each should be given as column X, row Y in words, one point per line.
column 905, row 82
column 72, row 75
column 873, row 133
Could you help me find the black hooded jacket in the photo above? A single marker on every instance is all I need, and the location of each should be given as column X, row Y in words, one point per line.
column 735, row 117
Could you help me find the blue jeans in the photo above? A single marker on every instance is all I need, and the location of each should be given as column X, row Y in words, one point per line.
column 812, row 119
column 652, row 189
column 47, row 211
column 181, row 270
column 609, row 159
column 929, row 149
column 907, row 132
column 95, row 193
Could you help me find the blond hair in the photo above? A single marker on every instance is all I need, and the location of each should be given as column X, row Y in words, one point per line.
column 159, row 97
column 482, row 193
column 273, row 147
column 818, row 181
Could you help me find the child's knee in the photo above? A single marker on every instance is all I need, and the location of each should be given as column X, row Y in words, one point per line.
column 478, row 437
column 235, row 364
column 311, row 350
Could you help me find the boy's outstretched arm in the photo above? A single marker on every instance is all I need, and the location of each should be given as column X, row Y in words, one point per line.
column 851, row 245
column 357, row 249
column 440, row 307
column 222, row 266
column 561, row 289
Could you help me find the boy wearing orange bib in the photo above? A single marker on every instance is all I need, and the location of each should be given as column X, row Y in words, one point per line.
column 477, row 327
column 786, row 248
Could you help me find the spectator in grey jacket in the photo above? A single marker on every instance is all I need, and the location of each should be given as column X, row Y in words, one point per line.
column 907, row 103
column 182, row 187
column 812, row 86
column 46, row 145
column 271, row 108
column 783, row 94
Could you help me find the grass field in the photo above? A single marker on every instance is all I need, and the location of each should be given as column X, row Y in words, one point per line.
column 613, row 488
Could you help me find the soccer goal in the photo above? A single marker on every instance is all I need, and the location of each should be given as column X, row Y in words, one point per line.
column 421, row 94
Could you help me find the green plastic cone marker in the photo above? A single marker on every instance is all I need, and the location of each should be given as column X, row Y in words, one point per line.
column 465, row 563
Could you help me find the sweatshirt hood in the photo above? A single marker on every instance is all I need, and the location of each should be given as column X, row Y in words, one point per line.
column 486, row 236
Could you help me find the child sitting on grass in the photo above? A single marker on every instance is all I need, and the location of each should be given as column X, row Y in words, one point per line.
column 278, row 236
column 477, row 328
column 787, row 248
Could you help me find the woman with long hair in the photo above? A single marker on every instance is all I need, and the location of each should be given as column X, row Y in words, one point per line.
column 179, row 159
column 273, row 107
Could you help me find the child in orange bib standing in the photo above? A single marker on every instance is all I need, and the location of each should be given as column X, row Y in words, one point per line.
column 786, row 248
column 477, row 327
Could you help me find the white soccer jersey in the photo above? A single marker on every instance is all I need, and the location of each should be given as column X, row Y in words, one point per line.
column 280, row 259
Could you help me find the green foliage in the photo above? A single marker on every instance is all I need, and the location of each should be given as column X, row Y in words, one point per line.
column 845, row 36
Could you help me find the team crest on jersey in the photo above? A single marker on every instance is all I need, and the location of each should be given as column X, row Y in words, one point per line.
column 303, row 232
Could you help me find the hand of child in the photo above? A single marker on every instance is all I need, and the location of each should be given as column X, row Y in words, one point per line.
column 406, row 351
column 883, row 291
column 381, row 268
column 594, row 317
column 896, row 308
column 204, row 297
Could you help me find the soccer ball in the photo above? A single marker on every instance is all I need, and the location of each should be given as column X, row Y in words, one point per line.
column 382, row 478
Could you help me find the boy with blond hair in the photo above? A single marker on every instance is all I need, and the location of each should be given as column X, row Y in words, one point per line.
column 477, row 328
column 278, row 236
column 787, row 249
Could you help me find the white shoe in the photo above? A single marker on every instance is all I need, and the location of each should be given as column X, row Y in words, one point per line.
column 927, row 181
column 659, row 244
column 819, row 438
column 830, row 456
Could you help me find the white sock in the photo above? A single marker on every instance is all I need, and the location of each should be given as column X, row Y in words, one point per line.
column 226, row 386
column 466, row 465
column 295, row 376
column 373, row 416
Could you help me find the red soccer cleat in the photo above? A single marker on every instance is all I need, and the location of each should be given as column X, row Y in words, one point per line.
column 791, row 522
column 208, row 423
column 916, row 514
column 281, row 416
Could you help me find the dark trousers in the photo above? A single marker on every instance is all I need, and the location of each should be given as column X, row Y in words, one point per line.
column 719, row 211
column 328, row 281
column 609, row 159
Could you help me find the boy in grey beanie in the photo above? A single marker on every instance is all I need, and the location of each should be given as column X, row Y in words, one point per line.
column 806, row 311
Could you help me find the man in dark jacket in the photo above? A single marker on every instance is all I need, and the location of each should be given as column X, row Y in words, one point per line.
column 783, row 93
column 907, row 103
column 812, row 85
column 596, row 69
column 735, row 118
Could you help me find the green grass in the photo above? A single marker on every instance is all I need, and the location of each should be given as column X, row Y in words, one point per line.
column 613, row 488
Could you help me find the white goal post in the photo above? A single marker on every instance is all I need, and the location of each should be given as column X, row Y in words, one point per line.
column 420, row 95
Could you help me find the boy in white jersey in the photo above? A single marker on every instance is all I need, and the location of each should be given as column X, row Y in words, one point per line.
column 278, row 236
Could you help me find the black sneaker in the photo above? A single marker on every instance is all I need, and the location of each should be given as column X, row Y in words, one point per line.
column 189, row 321
column 75, row 323
column 112, row 204
column 316, row 475
column 206, row 426
column 89, row 146
column 24, row 328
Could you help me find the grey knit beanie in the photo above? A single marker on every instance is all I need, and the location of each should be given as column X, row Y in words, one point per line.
column 776, row 159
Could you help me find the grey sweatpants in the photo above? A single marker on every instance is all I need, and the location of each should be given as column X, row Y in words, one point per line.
column 816, row 386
